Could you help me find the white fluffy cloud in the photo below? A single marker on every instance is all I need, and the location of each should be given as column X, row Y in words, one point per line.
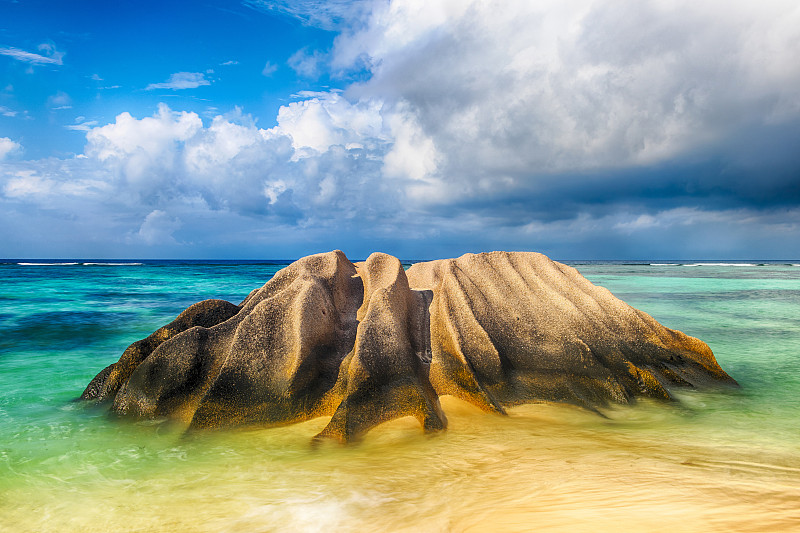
column 324, row 119
column 322, row 162
column 151, row 136
column 7, row 146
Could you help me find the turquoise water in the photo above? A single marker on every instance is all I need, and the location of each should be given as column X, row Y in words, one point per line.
column 718, row 461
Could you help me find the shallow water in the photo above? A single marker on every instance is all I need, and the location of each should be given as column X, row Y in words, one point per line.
column 716, row 461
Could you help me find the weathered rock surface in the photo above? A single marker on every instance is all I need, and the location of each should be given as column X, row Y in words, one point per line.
column 371, row 342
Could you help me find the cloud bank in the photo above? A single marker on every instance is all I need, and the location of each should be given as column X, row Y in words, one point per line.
column 579, row 128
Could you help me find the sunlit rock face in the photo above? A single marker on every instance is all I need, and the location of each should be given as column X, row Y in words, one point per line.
column 369, row 342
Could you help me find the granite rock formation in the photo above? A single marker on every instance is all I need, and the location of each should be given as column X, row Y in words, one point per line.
column 366, row 343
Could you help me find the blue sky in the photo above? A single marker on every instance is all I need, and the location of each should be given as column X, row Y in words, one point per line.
column 583, row 129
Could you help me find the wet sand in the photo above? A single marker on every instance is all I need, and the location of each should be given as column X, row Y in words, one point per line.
column 545, row 467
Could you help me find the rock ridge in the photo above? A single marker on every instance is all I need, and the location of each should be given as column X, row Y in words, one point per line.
column 369, row 342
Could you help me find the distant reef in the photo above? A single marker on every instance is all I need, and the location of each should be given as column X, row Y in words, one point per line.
column 369, row 342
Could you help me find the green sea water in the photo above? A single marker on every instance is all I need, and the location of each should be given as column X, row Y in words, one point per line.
column 715, row 461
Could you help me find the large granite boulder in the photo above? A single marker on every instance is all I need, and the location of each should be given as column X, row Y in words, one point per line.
column 369, row 342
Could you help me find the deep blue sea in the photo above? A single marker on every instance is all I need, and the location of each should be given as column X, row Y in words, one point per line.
column 714, row 461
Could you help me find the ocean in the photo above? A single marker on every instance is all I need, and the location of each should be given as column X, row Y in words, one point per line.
column 714, row 461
